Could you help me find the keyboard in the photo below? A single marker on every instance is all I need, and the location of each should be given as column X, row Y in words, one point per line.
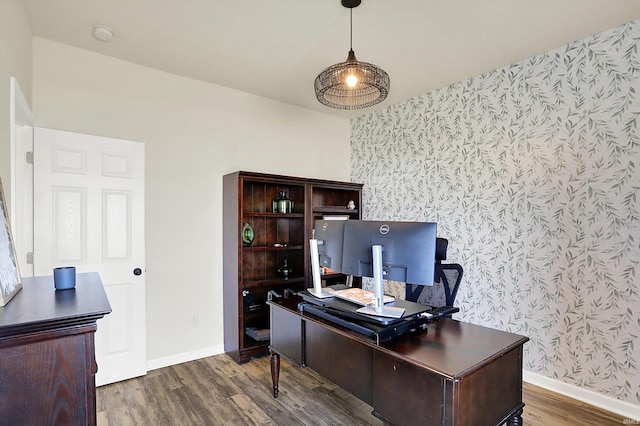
column 360, row 296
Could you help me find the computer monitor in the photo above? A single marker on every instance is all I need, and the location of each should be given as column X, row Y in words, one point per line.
column 330, row 236
column 399, row 251
column 325, row 249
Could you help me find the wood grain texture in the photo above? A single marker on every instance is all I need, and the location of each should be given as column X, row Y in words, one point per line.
column 47, row 356
column 218, row 391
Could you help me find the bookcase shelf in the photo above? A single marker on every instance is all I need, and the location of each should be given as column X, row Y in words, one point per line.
column 254, row 269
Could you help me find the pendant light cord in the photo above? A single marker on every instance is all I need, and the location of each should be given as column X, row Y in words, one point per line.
column 351, row 29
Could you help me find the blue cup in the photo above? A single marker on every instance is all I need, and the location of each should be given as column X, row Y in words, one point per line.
column 64, row 277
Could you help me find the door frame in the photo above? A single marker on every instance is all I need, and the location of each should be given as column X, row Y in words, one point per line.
column 21, row 198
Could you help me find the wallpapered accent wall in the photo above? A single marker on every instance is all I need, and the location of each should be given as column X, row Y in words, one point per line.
column 532, row 172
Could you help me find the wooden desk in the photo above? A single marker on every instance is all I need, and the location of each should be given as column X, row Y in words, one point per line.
column 47, row 356
column 455, row 374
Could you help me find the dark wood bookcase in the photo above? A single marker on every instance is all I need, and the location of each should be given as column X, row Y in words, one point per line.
column 251, row 271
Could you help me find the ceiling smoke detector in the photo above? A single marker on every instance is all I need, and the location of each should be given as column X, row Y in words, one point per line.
column 103, row 33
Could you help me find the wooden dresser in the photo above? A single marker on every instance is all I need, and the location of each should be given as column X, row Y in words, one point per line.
column 47, row 356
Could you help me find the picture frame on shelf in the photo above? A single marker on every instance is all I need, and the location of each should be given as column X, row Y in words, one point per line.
column 10, row 280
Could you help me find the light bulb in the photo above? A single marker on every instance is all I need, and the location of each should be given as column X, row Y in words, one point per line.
column 352, row 80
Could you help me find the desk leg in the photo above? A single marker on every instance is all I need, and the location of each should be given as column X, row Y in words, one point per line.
column 516, row 419
column 275, row 371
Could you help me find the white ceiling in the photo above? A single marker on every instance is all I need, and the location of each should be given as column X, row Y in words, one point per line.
column 275, row 48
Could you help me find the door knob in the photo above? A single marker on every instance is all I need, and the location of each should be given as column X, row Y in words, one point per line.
column 137, row 271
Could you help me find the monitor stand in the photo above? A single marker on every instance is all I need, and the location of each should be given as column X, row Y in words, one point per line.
column 379, row 309
column 317, row 290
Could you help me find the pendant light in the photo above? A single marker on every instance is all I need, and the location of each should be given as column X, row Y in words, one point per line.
column 352, row 84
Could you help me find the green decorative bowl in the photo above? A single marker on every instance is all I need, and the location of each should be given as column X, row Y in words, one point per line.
column 247, row 235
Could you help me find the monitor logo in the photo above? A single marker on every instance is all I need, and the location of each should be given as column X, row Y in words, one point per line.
column 384, row 229
column 324, row 226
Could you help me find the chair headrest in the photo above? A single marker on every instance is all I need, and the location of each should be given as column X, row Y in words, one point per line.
column 441, row 249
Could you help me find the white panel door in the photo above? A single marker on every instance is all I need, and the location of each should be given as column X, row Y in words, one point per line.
column 89, row 213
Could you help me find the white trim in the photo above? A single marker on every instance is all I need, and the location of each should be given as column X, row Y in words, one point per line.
column 625, row 409
column 19, row 115
column 21, row 141
column 154, row 364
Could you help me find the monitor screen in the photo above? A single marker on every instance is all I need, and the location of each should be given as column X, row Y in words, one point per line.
column 408, row 250
column 330, row 236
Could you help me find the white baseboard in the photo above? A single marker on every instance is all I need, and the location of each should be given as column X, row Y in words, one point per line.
column 154, row 364
column 625, row 409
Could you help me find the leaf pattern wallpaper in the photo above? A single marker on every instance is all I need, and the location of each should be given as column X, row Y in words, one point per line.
column 532, row 172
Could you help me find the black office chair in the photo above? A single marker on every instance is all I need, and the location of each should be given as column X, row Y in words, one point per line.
column 447, row 279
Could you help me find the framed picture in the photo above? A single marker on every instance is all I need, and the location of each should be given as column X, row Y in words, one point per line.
column 10, row 282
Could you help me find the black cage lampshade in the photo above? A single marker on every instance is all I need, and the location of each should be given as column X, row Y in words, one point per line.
column 352, row 84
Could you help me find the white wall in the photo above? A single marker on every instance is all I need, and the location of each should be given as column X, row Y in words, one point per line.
column 15, row 61
column 194, row 134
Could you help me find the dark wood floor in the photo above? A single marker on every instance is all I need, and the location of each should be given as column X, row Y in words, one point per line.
column 217, row 391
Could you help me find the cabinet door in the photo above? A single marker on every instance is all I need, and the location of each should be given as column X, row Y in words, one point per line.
column 286, row 334
column 405, row 394
column 342, row 360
